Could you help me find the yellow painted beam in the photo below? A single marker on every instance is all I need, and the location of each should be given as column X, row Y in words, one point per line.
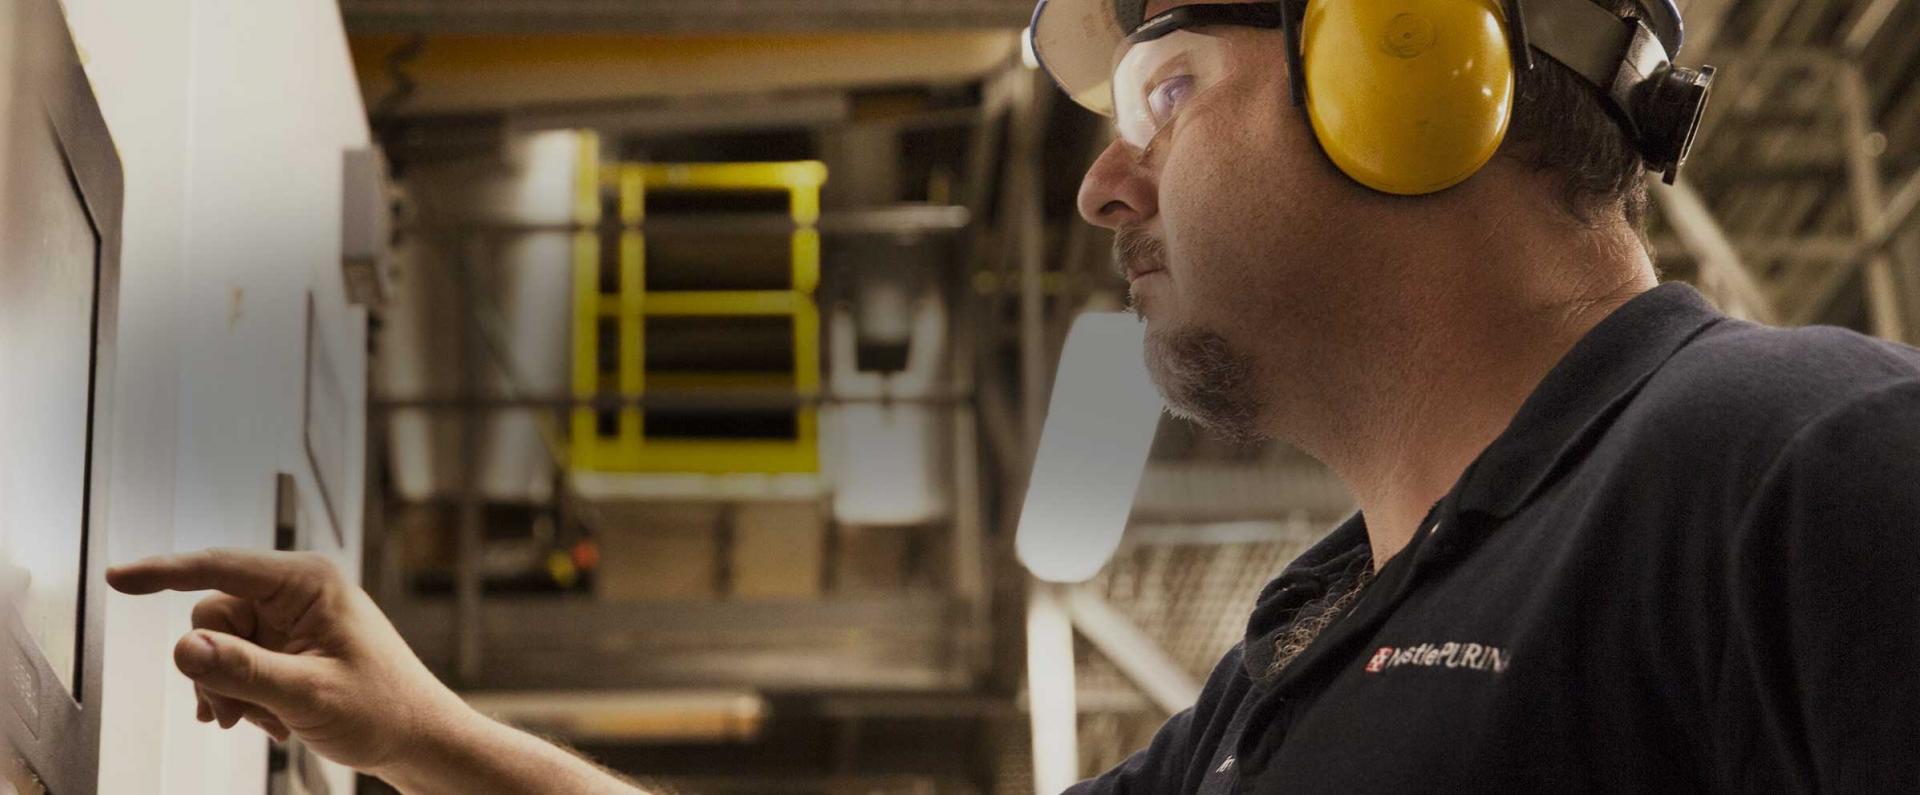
column 797, row 175
column 722, row 303
column 717, row 456
column 471, row 73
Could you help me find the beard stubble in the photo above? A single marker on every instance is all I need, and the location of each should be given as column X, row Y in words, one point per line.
column 1203, row 378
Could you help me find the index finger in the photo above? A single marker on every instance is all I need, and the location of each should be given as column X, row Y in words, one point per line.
column 247, row 574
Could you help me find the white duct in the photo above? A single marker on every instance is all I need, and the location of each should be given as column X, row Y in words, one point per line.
column 885, row 459
column 526, row 277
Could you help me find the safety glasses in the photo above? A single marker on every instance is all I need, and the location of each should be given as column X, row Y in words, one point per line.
column 1172, row 59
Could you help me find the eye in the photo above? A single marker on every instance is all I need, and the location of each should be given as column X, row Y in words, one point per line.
column 1167, row 96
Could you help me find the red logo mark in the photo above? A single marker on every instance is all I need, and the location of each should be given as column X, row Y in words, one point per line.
column 1380, row 659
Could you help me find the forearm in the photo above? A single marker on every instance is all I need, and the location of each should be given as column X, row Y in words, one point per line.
column 468, row 752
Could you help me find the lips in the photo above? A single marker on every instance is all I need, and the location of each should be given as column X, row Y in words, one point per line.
column 1137, row 254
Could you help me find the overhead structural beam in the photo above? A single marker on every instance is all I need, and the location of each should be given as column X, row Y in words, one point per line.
column 1877, row 220
column 1705, row 19
column 1129, row 648
column 454, row 74
column 1723, row 277
column 1833, row 251
column 698, row 115
column 677, row 16
column 1867, row 24
column 1900, row 210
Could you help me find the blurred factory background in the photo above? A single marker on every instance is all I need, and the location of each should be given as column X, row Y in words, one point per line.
column 705, row 349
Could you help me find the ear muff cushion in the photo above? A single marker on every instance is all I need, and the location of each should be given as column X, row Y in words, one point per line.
column 1407, row 96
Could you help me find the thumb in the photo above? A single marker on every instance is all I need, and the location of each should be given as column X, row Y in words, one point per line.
column 236, row 668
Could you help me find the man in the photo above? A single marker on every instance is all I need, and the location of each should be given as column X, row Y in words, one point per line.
column 1609, row 539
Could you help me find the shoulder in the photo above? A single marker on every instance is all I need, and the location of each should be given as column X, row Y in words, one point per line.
column 1760, row 372
column 1744, row 392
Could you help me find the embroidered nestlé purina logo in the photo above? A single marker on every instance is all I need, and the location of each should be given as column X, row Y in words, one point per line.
column 1470, row 656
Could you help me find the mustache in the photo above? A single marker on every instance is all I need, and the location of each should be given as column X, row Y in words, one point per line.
column 1137, row 251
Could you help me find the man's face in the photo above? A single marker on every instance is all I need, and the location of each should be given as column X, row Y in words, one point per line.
column 1239, row 239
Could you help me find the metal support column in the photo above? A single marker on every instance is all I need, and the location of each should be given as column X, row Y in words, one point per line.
column 1052, row 703
column 969, row 542
column 1864, row 188
column 467, row 584
column 1026, row 219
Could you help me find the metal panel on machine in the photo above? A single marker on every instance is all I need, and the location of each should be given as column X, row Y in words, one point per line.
column 60, row 182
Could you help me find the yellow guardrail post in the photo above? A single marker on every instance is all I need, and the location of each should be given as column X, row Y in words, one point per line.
column 584, row 446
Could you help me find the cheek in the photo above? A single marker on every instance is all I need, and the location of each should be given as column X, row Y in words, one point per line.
column 1265, row 238
column 1243, row 200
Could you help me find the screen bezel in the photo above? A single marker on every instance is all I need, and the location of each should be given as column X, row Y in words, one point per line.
column 62, row 748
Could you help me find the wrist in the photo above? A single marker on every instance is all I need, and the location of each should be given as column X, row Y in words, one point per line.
column 444, row 736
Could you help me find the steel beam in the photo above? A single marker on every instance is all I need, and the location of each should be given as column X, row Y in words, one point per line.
column 1877, row 221
column 896, row 644
column 677, row 16
column 1722, row 274
column 1900, row 209
column 454, row 75
column 968, row 542
column 885, row 220
column 1300, row 526
column 1866, row 25
column 689, row 401
column 704, row 115
column 1186, row 492
column 1830, row 251
column 1132, row 651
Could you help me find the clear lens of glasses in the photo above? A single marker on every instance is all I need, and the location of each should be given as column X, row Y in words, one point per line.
column 1154, row 80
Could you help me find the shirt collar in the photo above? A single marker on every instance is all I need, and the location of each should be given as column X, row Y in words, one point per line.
column 1334, row 559
column 1576, row 400
column 1581, row 396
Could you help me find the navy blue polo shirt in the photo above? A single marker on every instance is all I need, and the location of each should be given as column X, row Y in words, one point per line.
column 1690, row 564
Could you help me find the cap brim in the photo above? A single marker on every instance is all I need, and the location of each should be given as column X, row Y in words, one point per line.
column 1074, row 41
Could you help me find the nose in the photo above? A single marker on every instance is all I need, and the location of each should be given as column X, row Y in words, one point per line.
column 1118, row 191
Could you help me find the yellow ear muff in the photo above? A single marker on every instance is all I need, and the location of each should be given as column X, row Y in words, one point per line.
column 1407, row 96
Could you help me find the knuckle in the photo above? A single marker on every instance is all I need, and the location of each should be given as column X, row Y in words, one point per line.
column 239, row 667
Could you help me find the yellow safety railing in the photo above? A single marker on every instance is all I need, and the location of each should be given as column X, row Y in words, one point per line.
column 628, row 448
